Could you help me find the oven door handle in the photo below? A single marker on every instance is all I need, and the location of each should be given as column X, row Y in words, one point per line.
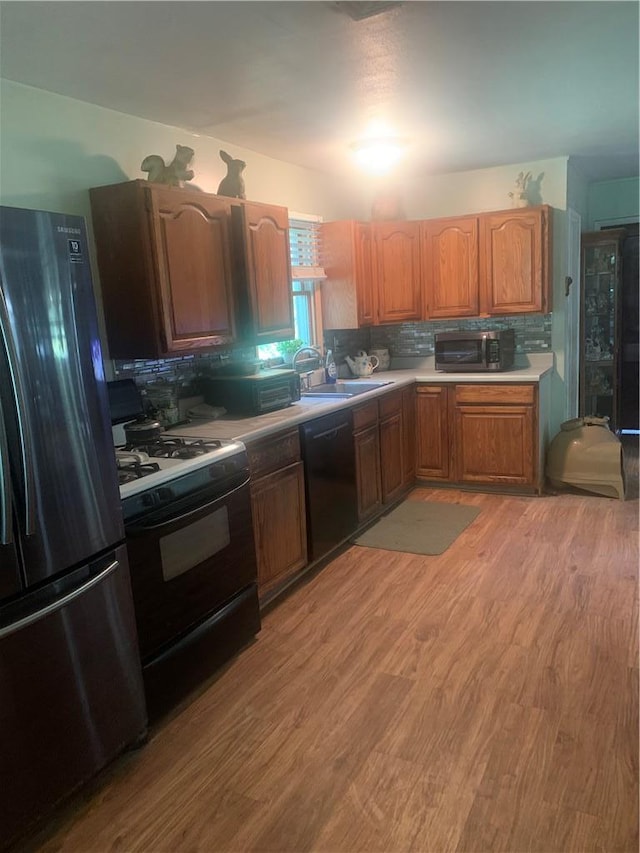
column 140, row 529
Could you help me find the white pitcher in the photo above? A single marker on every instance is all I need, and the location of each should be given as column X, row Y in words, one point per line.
column 362, row 364
column 384, row 358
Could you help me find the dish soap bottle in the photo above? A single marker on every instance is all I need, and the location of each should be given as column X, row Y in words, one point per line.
column 330, row 369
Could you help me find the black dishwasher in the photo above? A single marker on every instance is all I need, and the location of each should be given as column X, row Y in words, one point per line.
column 330, row 481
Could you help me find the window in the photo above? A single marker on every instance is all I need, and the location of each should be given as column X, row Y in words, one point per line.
column 304, row 310
column 306, row 273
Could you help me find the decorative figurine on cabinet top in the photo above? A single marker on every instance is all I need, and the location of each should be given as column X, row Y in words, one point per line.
column 519, row 197
column 232, row 185
column 528, row 190
column 175, row 173
column 387, row 207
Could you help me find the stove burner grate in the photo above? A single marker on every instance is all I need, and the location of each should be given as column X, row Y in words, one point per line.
column 130, row 471
column 176, row 448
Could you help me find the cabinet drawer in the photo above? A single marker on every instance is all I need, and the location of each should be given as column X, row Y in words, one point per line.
column 429, row 390
column 365, row 416
column 521, row 394
column 273, row 453
column 390, row 404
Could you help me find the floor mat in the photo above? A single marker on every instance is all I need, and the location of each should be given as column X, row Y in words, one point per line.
column 419, row 527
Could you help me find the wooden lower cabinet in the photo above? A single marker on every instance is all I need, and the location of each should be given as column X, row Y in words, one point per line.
column 384, row 439
column 478, row 434
column 278, row 508
column 391, row 445
column 367, row 446
column 432, row 432
column 494, row 434
column 366, row 440
column 408, row 436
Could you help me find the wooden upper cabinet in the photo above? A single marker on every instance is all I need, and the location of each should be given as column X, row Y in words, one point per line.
column 191, row 254
column 469, row 266
column 347, row 293
column 397, row 271
column 265, row 272
column 182, row 270
column 165, row 268
column 366, row 295
column 450, row 271
column 515, row 257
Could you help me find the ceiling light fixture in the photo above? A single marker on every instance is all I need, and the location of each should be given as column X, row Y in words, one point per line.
column 360, row 10
column 378, row 156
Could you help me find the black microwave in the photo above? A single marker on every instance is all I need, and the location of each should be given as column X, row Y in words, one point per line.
column 255, row 394
column 459, row 352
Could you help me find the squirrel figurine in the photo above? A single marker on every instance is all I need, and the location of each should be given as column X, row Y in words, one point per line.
column 232, row 185
column 175, row 173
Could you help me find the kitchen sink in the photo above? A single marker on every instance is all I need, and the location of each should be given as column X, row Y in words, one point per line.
column 345, row 388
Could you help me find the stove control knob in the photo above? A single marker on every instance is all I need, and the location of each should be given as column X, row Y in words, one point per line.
column 165, row 493
column 147, row 499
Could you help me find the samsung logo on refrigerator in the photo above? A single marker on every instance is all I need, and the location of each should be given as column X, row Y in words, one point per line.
column 67, row 229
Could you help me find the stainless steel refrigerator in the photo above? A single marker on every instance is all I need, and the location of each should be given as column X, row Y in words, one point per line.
column 71, row 694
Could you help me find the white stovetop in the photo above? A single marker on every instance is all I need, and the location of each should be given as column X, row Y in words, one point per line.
column 172, row 468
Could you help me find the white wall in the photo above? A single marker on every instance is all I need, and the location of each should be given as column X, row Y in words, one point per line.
column 55, row 148
column 459, row 193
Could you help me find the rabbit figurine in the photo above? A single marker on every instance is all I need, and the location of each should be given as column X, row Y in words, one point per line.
column 232, row 185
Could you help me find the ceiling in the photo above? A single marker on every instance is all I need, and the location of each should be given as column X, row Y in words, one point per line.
column 468, row 84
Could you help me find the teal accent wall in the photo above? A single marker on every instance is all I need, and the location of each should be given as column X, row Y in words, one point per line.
column 577, row 192
column 611, row 202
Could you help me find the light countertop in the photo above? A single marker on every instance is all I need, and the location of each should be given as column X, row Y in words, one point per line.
column 404, row 372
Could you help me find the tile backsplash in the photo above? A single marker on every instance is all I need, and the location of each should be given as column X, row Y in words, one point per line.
column 179, row 370
column 532, row 332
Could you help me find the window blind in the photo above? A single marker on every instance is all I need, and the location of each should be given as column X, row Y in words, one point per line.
column 304, row 243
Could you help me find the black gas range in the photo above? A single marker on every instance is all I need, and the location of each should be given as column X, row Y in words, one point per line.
column 145, row 465
column 189, row 534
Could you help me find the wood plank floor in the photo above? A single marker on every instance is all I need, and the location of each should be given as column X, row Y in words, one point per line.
column 482, row 700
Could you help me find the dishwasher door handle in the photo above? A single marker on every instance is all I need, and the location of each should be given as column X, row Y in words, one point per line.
column 329, row 433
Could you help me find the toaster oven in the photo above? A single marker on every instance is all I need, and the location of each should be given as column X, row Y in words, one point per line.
column 255, row 394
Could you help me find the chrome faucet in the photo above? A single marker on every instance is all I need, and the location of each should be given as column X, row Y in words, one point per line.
column 305, row 377
column 302, row 349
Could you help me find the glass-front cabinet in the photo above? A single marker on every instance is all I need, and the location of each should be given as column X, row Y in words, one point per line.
column 600, row 324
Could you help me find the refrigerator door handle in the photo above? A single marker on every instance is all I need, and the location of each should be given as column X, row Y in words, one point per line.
column 60, row 603
column 26, row 442
column 6, row 527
